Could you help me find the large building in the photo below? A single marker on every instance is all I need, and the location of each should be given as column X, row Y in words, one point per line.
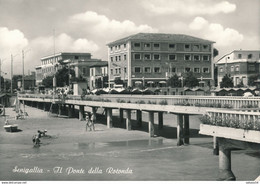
column 79, row 62
column 98, row 75
column 151, row 58
column 239, row 65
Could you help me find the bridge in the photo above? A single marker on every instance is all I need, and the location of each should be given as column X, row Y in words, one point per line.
column 227, row 136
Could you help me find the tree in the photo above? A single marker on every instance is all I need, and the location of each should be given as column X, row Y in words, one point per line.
column 190, row 80
column 62, row 76
column 252, row 79
column 48, row 82
column 118, row 80
column 15, row 80
column 215, row 52
column 174, row 81
column 226, row 82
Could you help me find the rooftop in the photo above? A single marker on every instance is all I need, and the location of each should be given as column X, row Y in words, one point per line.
column 161, row 37
column 67, row 53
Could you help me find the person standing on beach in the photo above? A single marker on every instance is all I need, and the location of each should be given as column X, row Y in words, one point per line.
column 90, row 122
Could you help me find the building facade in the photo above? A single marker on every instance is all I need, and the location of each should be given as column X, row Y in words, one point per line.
column 239, row 65
column 151, row 58
column 98, row 75
column 79, row 62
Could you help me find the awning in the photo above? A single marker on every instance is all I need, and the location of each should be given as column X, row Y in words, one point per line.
column 138, row 82
column 162, row 82
column 150, row 82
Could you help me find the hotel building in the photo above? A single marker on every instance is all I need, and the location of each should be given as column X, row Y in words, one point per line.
column 151, row 58
column 239, row 65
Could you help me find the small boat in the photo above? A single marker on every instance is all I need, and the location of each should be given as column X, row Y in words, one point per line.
column 11, row 128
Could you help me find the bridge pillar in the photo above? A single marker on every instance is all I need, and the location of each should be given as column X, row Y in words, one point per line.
column 70, row 115
column 94, row 114
column 59, row 109
column 81, row 112
column 139, row 118
column 179, row 129
column 151, row 123
column 109, row 117
column 225, row 172
column 186, row 129
column 38, row 105
column 128, row 119
column 215, row 146
column 160, row 120
column 121, row 115
column 44, row 106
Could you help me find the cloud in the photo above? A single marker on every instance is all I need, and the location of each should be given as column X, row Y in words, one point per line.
column 11, row 41
column 102, row 26
column 188, row 7
column 64, row 43
column 216, row 32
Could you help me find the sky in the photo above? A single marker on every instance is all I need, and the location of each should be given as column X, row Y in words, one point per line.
column 88, row 25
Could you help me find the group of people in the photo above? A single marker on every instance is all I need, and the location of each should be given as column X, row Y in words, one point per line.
column 36, row 138
column 90, row 120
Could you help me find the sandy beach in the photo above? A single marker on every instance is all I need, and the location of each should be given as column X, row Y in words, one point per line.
column 71, row 153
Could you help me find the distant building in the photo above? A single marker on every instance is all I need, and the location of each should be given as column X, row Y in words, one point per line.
column 79, row 62
column 98, row 75
column 151, row 58
column 29, row 81
column 240, row 65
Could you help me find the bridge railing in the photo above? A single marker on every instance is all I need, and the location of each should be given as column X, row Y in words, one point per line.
column 233, row 102
column 249, row 120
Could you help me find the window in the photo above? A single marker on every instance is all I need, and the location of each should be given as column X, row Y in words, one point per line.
column 119, row 46
column 171, row 46
column 137, row 70
column 196, row 57
column 147, row 56
column 84, row 71
column 205, row 70
column 237, row 68
column 119, row 58
column 239, row 56
column 174, row 70
column 124, row 45
column 116, row 47
column 119, row 70
column 147, row 69
column 172, row 57
column 111, row 71
column 196, row 47
column 186, row 57
column 156, row 56
column 221, row 69
column 187, row 69
column 76, row 57
column 137, row 56
column 124, row 56
column 196, row 70
column 205, row 58
column 116, row 58
column 232, row 69
column 111, row 59
column 157, row 69
column 116, row 70
column 125, row 69
column 249, row 56
column 186, row 46
column 156, row 45
column 137, row 45
column 251, row 68
column 205, row 47
column 147, row 45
